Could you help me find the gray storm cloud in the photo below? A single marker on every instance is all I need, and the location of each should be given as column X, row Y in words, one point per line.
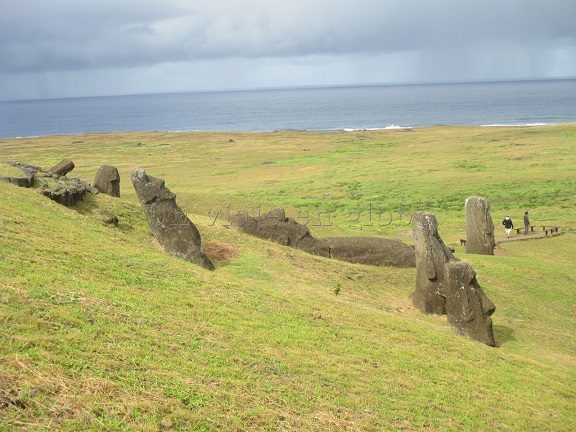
column 70, row 47
column 44, row 35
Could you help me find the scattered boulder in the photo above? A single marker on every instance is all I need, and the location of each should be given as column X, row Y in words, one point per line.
column 62, row 168
column 107, row 217
column 63, row 190
column 479, row 227
column 170, row 226
column 467, row 307
column 276, row 227
column 107, row 180
column 431, row 257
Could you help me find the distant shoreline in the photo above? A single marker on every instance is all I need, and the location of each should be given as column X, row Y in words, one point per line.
column 280, row 131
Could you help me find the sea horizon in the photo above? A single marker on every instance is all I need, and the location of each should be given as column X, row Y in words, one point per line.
column 313, row 108
column 299, row 87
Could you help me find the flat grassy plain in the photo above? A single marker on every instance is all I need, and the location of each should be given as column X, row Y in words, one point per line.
column 103, row 331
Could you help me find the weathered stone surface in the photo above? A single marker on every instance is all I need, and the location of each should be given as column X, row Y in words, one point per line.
column 62, row 168
column 26, row 180
column 63, row 190
column 366, row 250
column 479, row 227
column 431, row 257
column 276, row 227
column 447, row 285
column 171, row 227
column 107, row 217
column 107, row 180
column 467, row 307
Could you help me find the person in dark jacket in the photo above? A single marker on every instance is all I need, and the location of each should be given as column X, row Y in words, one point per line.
column 526, row 223
column 508, row 225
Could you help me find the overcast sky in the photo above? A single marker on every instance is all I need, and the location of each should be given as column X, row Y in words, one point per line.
column 65, row 48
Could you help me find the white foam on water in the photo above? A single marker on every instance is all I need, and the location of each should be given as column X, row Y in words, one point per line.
column 375, row 129
column 515, row 125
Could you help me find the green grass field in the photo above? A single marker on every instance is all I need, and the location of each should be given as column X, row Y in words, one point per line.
column 103, row 331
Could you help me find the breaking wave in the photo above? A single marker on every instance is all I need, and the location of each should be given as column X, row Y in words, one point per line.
column 515, row 125
column 374, row 129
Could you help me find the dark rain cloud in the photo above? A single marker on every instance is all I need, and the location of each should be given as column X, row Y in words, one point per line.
column 64, row 35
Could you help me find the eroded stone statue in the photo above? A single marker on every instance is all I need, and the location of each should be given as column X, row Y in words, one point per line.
column 171, row 227
column 447, row 285
column 107, row 180
column 431, row 257
column 276, row 227
column 479, row 227
column 467, row 307
column 62, row 168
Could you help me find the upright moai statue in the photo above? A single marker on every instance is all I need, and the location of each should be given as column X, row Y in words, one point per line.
column 431, row 258
column 467, row 307
column 107, row 180
column 479, row 227
column 447, row 285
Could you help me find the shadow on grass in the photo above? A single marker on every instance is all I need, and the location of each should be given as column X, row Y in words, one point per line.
column 503, row 334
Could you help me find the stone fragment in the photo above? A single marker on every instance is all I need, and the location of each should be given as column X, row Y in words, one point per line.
column 107, row 217
column 62, row 168
column 467, row 307
column 479, row 227
column 58, row 188
column 26, row 180
column 431, row 257
column 107, row 180
column 169, row 224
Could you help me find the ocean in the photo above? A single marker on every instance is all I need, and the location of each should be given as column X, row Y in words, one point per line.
column 519, row 103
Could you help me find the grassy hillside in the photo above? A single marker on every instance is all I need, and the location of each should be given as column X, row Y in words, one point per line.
column 103, row 331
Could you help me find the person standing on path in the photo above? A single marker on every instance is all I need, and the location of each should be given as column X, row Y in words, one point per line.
column 526, row 223
column 508, row 225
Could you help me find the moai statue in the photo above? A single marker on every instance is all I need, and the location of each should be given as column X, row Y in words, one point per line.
column 62, row 168
column 479, row 227
column 171, row 227
column 467, row 307
column 431, row 258
column 447, row 285
column 107, row 181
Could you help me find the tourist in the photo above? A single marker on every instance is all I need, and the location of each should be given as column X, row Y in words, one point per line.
column 526, row 223
column 508, row 225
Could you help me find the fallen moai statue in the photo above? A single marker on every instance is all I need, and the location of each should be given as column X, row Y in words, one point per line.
column 171, row 227
column 479, row 227
column 107, row 180
column 447, row 285
column 62, row 168
column 276, row 227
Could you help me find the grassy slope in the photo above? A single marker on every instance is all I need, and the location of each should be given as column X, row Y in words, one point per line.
column 103, row 331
